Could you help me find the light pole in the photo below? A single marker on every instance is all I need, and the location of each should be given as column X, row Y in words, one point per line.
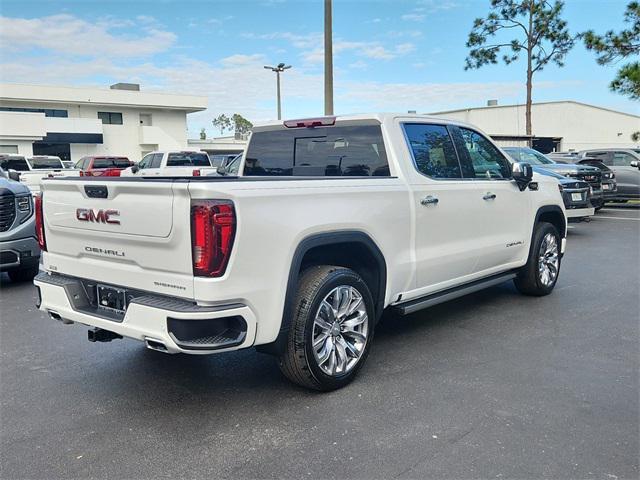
column 328, row 58
column 281, row 67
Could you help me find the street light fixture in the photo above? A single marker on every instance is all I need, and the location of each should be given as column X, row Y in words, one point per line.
column 281, row 67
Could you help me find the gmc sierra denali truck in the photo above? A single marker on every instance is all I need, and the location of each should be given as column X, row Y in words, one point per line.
column 332, row 221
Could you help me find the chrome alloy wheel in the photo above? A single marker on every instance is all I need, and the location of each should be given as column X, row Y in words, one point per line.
column 548, row 260
column 340, row 330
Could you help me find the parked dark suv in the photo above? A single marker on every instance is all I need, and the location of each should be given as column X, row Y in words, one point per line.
column 586, row 173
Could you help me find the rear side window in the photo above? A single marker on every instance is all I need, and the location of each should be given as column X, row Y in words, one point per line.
column 188, row 159
column 433, row 150
column 486, row 159
column 318, row 152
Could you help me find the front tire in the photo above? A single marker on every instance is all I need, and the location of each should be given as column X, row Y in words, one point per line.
column 332, row 329
column 540, row 274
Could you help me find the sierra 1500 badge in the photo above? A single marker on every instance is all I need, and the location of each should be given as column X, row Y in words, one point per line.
column 98, row 216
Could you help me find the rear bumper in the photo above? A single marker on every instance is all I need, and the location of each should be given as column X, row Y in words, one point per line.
column 575, row 213
column 147, row 317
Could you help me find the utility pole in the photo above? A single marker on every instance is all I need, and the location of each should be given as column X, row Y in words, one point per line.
column 281, row 67
column 328, row 58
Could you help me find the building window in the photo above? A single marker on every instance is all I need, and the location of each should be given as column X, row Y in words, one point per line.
column 110, row 118
column 8, row 149
column 48, row 112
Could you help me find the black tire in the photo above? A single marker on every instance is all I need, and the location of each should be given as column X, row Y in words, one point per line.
column 597, row 209
column 529, row 280
column 24, row 274
column 298, row 362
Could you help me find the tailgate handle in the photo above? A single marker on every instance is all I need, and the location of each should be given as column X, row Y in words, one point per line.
column 96, row 191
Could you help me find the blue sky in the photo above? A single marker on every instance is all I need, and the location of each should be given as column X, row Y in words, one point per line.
column 390, row 55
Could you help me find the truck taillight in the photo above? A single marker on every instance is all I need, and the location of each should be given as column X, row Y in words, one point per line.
column 196, row 173
column 112, row 172
column 213, row 228
column 40, row 224
column 81, row 173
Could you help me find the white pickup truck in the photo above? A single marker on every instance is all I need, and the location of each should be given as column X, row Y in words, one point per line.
column 176, row 163
column 30, row 171
column 333, row 221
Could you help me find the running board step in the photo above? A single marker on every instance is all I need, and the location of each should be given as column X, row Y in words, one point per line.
column 427, row 301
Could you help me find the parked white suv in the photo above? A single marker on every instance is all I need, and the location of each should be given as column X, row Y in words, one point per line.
column 185, row 163
column 332, row 221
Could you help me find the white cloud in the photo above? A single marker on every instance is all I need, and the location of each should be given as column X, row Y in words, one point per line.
column 437, row 5
column 241, row 60
column 359, row 64
column 413, row 17
column 70, row 35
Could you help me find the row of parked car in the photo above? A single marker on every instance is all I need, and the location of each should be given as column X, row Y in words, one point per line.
column 588, row 179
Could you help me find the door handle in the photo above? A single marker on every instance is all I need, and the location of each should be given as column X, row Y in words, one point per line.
column 489, row 196
column 429, row 200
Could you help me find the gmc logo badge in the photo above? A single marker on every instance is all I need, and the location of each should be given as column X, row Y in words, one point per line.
column 98, row 216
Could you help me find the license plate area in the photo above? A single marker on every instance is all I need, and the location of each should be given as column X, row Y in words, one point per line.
column 576, row 197
column 111, row 299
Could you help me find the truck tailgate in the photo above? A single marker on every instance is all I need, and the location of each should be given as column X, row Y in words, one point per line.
column 134, row 234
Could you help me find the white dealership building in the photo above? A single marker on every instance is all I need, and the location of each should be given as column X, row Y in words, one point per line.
column 557, row 126
column 72, row 122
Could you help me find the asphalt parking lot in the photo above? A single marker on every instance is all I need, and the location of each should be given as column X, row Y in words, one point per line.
column 495, row 385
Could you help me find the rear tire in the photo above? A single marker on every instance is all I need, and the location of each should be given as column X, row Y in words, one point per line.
column 24, row 274
column 540, row 274
column 333, row 310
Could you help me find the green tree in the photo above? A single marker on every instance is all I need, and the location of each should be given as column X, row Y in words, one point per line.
column 203, row 134
column 614, row 47
column 241, row 125
column 222, row 123
column 541, row 34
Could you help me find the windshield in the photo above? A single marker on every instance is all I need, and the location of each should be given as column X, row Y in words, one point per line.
column 44, row 163
column 17, row 164
column 188, row 159
column 529, row 155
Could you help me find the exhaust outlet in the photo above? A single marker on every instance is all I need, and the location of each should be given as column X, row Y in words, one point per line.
column 156, row 345
column 56, row 316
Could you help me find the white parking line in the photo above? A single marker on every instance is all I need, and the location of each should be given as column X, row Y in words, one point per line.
column 620, row 218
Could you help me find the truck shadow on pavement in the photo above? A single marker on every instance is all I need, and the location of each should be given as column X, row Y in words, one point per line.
column 227, row 377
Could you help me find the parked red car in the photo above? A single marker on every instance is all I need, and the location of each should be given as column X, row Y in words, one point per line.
column 102, row 166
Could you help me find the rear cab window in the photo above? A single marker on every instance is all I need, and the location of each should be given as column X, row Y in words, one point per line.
column 17, row 164
column 110, row 163
column 188, row 159
column 335, row 151
column 45, row 163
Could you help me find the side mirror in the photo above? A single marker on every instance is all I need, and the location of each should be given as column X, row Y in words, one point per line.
column 522, row 173
column 13, row 175
column 135, row 169
column 635, row 163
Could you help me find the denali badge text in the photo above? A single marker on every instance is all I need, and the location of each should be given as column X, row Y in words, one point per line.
column 98, row 216
column 104, row 251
